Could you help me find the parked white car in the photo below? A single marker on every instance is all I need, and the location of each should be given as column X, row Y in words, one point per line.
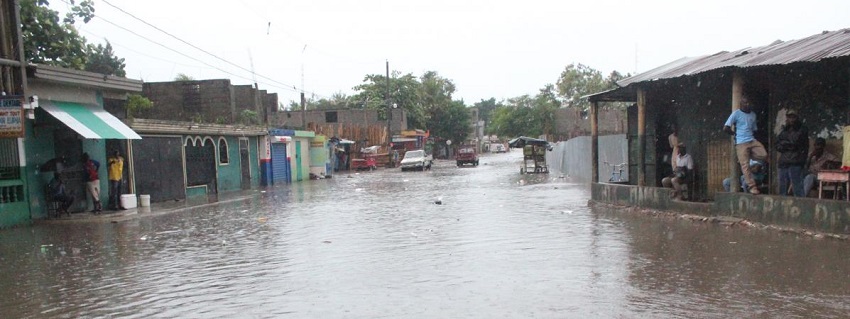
column 415, row 160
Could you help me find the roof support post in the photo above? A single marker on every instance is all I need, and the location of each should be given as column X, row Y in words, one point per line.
column 641, row 130
column 594, row 144
column 737, row 93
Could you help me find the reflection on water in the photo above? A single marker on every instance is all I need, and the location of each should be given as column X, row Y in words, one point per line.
column 377, row 244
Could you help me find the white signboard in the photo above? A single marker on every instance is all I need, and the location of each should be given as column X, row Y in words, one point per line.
column 11, row 116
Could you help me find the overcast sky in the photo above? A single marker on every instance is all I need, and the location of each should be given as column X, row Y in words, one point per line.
column 494, row 48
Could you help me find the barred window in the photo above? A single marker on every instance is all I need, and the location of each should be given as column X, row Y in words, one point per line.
column 9, row 160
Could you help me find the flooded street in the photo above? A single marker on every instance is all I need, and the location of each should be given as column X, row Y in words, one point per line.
column 377, row 244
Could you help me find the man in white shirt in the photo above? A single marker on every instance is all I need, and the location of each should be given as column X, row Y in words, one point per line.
column 682, row 174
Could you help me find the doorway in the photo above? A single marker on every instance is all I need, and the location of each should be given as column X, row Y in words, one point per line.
column 245, row 162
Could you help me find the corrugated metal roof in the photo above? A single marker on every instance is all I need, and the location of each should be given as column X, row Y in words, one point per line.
column 826, row 45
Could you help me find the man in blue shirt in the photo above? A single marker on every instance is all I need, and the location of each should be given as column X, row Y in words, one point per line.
column 746, row 145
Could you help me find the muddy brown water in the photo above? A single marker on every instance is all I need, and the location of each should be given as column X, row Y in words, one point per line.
column 376, row 245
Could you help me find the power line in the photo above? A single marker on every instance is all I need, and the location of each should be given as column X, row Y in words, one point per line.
column 118, row 44
column 187, row 56
column 191, row 45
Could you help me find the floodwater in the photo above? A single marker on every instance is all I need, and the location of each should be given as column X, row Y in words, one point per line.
column 377, row 245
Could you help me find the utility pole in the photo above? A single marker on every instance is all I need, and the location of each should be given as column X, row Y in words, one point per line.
column 303, row 112
column 389, row 108
column 303, row 100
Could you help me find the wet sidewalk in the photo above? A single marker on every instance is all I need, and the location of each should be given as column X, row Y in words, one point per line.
column 155, row 209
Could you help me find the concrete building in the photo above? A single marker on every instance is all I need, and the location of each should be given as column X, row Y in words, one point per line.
column 698, row 94
column 68, row 120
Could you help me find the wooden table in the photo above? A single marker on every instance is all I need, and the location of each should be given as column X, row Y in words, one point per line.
column 834, row 176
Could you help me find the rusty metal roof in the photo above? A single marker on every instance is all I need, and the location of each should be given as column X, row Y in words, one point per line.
column 826, row 45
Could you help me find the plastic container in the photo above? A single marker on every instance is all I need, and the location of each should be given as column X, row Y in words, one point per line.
column 128, row 201
column 144, row 200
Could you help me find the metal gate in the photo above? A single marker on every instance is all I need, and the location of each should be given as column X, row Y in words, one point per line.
column 280, row 164
column 158, row 167
column 201, row 164
column 245, row 163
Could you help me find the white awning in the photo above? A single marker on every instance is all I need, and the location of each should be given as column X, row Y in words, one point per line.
column 92, row 122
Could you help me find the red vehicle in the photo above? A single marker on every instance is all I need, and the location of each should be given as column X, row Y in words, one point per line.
column 467, row 155
column 368, row 162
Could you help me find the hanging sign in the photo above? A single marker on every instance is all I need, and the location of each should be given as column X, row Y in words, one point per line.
column 11, row 116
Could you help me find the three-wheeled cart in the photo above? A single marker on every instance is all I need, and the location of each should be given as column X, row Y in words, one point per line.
column 534, row 160
column 533, row 154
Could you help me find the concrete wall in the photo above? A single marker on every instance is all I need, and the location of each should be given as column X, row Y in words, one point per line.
column 304, row 143
column 230, row 173
column 319, row 155
column 573, row 122
column 572, row 158
column 830, row 216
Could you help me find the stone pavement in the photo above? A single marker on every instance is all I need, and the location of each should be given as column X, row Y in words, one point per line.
column 155, row 209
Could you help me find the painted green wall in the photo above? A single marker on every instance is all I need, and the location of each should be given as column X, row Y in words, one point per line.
column 318, row 154
column 17, row 213
column 195, row 191
column 39, row 149
column 229, row 175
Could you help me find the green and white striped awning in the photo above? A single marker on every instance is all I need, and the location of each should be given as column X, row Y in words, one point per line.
column 90, row 121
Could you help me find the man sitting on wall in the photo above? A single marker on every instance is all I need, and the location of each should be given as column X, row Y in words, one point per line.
column 819, row 160
column 681, row 175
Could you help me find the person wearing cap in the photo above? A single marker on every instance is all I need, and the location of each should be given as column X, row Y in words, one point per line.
column 759, row 171
column 682, row 173
column 746, row 146
column 793, row 147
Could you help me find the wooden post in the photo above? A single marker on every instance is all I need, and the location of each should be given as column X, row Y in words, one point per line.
column 641, row 130
column 737, row 93
column 594, row 144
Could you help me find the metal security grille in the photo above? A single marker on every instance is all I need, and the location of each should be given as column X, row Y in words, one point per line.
column 9, row 160
column 158, row 167
column 280, row 165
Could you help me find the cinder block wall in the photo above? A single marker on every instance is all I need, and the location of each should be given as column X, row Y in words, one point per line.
column 571, row 122
column 362, row 118
column 208, row 101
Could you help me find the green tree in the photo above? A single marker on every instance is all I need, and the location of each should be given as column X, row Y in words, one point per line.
column 527, row 115
column 51, row 40
column 578, row 80
column 102, row 60
column 183, row 77
column 451, row 122
column 404, row 93
column 545, row 104
column 137, row 104
column 486, row 109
